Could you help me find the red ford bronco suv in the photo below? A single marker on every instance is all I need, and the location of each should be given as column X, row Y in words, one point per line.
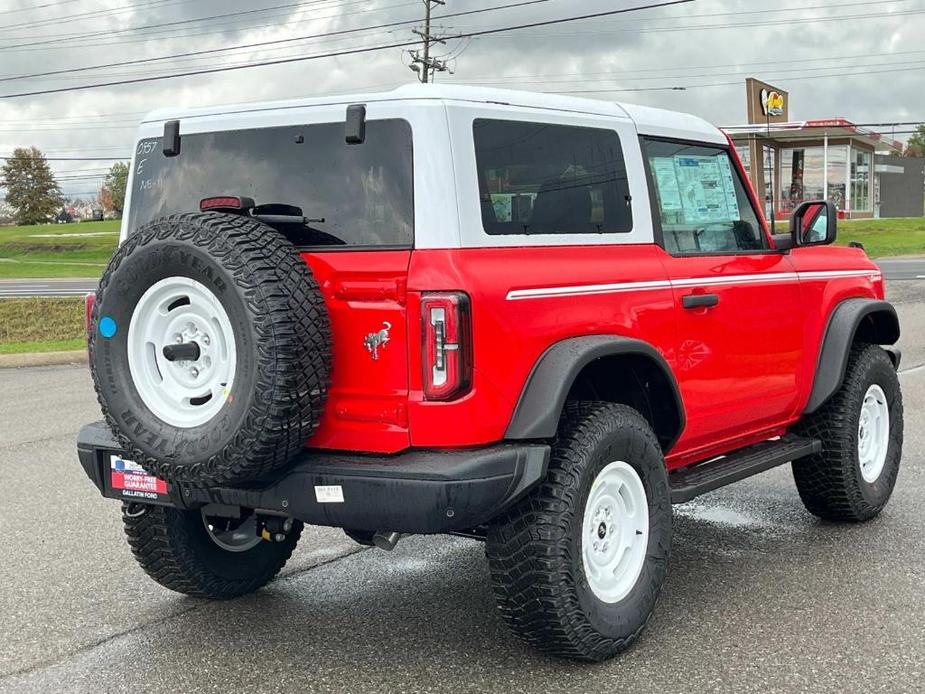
column 535, row 320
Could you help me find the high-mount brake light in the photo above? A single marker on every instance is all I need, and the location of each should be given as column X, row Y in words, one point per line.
column 447, row 348
column 224, row 202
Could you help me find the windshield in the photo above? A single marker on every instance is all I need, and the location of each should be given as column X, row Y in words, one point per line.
column 352, row 195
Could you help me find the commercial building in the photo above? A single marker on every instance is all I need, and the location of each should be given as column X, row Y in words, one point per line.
column 835, row 159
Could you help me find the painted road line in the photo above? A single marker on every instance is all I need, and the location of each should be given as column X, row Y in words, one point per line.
column 11, row 295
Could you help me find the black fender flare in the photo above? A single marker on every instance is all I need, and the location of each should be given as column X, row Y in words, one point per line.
column 844, row 323
column 542, row 399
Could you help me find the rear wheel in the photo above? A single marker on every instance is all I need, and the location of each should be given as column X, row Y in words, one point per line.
column 861, row 429
column 577, row 566
column 203, row 556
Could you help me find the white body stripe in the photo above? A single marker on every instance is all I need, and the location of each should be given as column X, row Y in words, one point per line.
column 619, row 287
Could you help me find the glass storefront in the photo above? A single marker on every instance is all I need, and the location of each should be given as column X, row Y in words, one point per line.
column 745, row 155
column 769, row 154
column 860, row 181
column 801, row 171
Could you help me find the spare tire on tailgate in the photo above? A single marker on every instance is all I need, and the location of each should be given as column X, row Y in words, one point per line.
column 210, row 349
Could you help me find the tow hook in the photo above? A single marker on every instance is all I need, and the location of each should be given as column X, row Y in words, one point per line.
column 274, row 528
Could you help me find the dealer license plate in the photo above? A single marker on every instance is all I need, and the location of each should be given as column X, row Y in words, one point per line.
column 129, row 480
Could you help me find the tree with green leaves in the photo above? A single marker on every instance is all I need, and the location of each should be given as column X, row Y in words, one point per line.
column 115, row 183
column 915, row 145
column 31, row 189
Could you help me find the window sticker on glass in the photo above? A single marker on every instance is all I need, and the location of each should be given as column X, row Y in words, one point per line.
column 706, row 190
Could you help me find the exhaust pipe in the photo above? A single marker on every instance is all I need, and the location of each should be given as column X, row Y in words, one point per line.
column 386, row 540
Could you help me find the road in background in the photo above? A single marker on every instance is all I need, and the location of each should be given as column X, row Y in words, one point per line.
column 761, row 596
column 903, row 268
column 11, row 289
column 893, row 269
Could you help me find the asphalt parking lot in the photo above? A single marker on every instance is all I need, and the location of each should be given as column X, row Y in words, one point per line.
column 761, row 597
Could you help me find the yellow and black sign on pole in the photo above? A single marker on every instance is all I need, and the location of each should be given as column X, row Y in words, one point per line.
column 766, row 103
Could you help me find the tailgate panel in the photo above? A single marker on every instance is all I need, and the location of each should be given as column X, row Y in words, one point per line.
column 365, row 292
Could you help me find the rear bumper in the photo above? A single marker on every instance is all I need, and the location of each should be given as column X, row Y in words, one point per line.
column 419, row 491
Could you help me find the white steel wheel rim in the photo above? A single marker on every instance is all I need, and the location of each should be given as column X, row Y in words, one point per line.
column 239, row 538
column 873, row 433
column 615, row 532
column 185, row 393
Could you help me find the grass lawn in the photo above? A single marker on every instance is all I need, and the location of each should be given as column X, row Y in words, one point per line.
column 42, row 325
column 885, row 237
column 57, row 250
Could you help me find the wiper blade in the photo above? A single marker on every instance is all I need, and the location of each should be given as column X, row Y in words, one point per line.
column 287, row 219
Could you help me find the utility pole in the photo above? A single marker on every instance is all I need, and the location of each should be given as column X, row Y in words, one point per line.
column 422, row 62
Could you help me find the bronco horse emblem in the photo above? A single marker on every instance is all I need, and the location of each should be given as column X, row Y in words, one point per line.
column 376, row 340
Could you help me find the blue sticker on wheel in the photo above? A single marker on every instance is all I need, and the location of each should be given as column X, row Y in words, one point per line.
column 107, row 327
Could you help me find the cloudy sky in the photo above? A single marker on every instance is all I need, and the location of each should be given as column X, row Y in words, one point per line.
column 861, row 60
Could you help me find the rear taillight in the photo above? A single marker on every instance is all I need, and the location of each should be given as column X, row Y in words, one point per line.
column 89, row 300
column 447, row 345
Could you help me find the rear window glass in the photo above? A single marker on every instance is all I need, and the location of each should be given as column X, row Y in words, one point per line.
column 353, row 195
column 538, row 178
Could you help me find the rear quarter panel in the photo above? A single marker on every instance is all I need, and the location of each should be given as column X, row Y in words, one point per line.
column 509, row 335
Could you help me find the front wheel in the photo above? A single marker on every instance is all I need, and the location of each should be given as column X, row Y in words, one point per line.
column 203, row 556
column 577, row 566
column 861, row 429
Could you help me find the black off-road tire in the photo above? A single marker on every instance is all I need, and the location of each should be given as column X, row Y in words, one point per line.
column 283, row 348
column 830, row 484
column 174, row 548
column 535, row 553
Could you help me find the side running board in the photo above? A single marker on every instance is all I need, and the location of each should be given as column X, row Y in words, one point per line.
column 692, row 481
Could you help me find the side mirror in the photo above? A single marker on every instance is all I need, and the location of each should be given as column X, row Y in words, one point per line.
column 814, row 224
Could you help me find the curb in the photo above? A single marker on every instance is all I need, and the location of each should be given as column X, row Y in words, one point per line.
column 10, row 361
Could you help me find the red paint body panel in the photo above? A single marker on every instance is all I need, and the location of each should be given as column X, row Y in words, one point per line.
column 738, row 362
column 745, row 366
column 509, row 336
column 820, row 295
column 367, row 407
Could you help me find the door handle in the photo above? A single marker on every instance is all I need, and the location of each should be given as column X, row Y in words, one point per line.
column 700, row 300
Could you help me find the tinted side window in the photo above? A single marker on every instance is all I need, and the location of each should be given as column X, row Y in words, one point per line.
column 701, row 201
column 537, row 178
column 354, row 195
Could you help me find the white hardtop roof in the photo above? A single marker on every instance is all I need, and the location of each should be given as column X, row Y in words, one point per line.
column 648, row 120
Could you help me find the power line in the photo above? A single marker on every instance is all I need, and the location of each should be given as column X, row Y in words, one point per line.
column 263, row 44
column 542, row 78
column 92, row 14
column 39, row 7
column 735, row 25
column 722, row 84
column 736, row 13
column 220, row 27
column 353, row 51
column 179, row 22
